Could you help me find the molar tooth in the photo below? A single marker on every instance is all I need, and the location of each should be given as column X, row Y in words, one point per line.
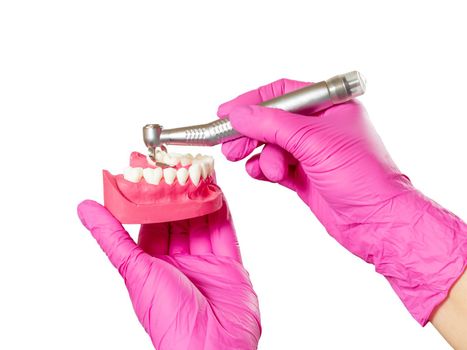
column 133, row 174
column 169, row 175
column 184, row 161
column 152, row 176
column 195, row 173
column 209, row 161
column 176, row 155
column 182, row 176
column 170, row 161
column 160, row 156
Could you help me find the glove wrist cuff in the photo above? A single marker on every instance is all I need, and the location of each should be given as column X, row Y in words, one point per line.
column 422, row 252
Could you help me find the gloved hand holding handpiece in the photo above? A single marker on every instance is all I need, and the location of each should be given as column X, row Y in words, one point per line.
column 337, row 164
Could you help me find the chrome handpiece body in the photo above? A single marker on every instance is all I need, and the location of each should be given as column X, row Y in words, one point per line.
column 312, row 98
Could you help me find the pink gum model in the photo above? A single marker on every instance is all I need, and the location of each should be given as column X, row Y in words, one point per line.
column 142, row 203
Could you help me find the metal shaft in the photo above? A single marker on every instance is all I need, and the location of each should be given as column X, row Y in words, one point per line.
column 311, row 99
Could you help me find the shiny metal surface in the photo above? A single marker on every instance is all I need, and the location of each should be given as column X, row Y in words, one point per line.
column 200, row 135
column 312, row 98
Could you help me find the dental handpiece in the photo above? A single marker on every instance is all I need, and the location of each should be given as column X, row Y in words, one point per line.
column 312, row 98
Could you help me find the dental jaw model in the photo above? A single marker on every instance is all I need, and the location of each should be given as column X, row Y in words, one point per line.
column 171, row 187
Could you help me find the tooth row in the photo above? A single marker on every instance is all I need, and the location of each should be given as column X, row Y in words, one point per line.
column 173, row 159
column 200, row 169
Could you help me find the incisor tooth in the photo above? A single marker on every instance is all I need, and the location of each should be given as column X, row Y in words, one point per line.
column 195, row 173
column 182, row 176
column 133, row 174
column 152, row 176
column 169, row 175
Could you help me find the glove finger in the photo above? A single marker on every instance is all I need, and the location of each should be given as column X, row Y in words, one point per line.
column 179, row 242
column 271, row 125
column 254, row 169
column 154, row 238
column 109, row 234
column 200, row 239
column 273, row 162
column 223, row 237
column 263, row 93
column 238, row 149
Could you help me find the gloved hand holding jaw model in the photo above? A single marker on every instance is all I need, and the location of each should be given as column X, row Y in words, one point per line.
column 185, row 279
column 337, row 164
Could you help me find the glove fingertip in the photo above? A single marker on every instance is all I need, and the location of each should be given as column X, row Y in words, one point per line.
column 241, row 112
column 238, row 149
column 228, row 152
column 223, row 110
column 84, row 208
column 276, row 174
column 273, row 162
column 253, row 168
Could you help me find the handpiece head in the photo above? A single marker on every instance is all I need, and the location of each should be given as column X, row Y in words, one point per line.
column 152, row 138
column 152, row 135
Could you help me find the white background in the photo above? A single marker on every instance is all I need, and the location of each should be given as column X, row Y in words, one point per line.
column 78, row 80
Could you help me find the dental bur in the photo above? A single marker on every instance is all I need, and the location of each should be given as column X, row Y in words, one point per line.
column 312, row 98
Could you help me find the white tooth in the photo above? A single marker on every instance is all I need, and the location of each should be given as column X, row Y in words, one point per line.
column 195, row 173
column 204, row 167
column 209, row 161
column 152, row 176
column 160, row 155
column 133, row 174
column 189, row 156
column 182, row 176
column 184, row 161
column 199, row 156
column 170, row 161
column 176, row 155
column 169, row 175
column 204, row 170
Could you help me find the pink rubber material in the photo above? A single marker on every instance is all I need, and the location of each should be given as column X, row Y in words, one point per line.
column 128, row 212
column 143, row 203
column 185, row 279
column 337, row 164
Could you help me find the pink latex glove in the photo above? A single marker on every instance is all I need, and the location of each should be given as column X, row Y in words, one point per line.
column 185, row 279
column 339, row 167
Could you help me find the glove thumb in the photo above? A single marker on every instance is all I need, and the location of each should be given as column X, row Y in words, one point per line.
column 269, row 125
column 109, row 234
